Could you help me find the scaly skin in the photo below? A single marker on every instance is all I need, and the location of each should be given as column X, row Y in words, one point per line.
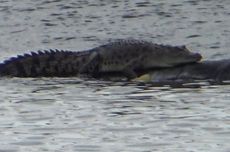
column 128, row 56
column 124, row 56
column 47, row 63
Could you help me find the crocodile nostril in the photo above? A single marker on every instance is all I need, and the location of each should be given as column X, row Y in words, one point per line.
column 198, row 56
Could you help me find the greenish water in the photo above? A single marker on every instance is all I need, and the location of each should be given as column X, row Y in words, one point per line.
column 71, row 114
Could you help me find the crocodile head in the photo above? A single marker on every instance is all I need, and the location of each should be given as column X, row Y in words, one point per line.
column 172, row 56
column 181, row 55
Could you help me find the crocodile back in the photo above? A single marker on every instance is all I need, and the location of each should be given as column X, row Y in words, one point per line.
column 137, row 54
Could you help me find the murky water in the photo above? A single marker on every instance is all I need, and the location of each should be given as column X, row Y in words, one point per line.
column 71, row 114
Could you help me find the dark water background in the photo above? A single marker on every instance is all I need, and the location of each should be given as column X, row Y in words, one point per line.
column 57, row 114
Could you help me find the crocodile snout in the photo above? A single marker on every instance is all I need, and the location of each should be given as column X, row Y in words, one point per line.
column 197, row 56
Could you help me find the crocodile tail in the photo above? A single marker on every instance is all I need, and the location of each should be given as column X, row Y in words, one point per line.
column 52, row 63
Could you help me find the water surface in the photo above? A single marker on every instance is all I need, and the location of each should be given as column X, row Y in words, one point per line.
column 72, row 114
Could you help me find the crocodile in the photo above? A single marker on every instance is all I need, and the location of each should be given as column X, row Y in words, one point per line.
column 124, row 56
column 216, row 71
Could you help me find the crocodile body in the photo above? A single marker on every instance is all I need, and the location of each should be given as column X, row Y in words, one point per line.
column 129, row 56
column 125, row 56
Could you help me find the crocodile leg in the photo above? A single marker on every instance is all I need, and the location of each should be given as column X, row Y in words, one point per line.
column 129, row 73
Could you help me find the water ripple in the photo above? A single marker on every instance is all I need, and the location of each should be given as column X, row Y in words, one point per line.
column 72, row 114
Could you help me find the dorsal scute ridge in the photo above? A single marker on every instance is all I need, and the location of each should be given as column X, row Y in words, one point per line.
column 38, row 53
column 50, row 50
column 19, row 56
column 33, row 53
column 143, row 42
column 132, row 42
column 26, row 55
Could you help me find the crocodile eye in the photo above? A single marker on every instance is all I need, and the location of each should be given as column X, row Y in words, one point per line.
column 182, row 47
